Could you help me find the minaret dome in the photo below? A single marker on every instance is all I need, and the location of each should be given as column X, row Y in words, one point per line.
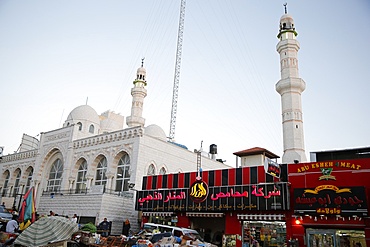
column 141, row 72
column 286, row 23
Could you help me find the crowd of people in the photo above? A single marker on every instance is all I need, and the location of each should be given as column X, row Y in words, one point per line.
column 105, row 226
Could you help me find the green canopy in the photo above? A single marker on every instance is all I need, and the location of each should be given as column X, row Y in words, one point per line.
column 46, row 230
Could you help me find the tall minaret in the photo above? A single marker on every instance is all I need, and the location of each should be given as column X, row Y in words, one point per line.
column 290, row 87
column 138, row 93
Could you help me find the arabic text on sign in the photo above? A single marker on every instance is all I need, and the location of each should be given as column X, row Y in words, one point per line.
column 328, row 211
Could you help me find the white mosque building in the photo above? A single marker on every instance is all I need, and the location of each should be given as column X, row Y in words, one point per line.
column 93, row 164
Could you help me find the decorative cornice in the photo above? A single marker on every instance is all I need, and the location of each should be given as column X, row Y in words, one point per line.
column 109, row 138
column 20, row 156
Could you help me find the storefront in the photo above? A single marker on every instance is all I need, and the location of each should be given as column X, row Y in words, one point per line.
column 221, row 204
column 267, row 233
column 330, row 203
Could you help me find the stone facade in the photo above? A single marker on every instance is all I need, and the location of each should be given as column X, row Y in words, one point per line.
column 92, row 165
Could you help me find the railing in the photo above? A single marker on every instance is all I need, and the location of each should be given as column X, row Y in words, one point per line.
column 19, row 156
column 84, row 192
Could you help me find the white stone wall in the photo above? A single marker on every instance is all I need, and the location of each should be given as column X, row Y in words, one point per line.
column 253, row 160
column 115, row 208
column 168, row 155
column 142, row 149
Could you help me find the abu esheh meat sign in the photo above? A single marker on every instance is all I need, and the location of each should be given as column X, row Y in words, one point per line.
column 331, row 200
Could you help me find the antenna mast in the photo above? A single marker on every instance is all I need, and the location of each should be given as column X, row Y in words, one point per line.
column 177, row 72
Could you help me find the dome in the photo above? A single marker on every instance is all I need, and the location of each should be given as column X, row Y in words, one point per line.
column 141, row 74
column 141, row 70
column 155, row 131
column 286, row 22
column 83, row 112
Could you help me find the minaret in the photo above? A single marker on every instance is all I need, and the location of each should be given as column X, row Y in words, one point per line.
column 290, row 87
column 138, row 93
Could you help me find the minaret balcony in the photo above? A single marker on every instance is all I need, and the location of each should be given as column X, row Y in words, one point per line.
column 290, row 85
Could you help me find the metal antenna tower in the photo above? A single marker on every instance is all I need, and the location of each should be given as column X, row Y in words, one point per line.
column 199, row 159
column 177, row 72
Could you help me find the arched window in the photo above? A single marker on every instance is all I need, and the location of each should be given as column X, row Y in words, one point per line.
column 29, row 179
column 101, row 170
column 81, row 178
column 16, row 183
column 6, row 182
column 79, row 124
column 162, row 171
column 123, row 173
column 55, row 176
column 151, row 170
column 91, row 129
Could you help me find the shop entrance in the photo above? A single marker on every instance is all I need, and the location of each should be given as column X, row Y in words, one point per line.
column 264, row 233
column 211, row 229
column 335, row 237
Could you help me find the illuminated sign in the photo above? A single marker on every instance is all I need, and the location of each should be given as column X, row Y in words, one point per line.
column 305, row 167
column 200, row 197
column 329, row 199
column 272, row 168
column 198, row 191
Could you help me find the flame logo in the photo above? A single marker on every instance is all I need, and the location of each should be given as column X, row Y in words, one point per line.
column 198, row 191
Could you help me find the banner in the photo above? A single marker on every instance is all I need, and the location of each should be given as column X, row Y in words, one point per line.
column 331, row 200
column 272, row 168
column 272, row 196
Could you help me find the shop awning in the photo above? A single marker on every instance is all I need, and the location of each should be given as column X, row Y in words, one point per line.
column 157, row 213
column 260, row 216
column 205, row 214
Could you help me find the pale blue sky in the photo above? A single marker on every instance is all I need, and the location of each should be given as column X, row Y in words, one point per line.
column 55, row 54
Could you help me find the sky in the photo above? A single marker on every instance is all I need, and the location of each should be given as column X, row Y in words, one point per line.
column 57, row 55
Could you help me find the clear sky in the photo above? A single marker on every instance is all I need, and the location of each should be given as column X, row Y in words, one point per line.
column 54, row 55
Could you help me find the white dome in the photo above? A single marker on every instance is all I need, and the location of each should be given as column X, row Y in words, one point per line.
column 83, row 113
column 141, row 70
column 155, row 131
column 286, row 22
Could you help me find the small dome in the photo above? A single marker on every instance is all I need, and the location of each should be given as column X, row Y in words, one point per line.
column 286, row 22
column 155, row 131
column 141, row 74
column 141, row 70
column 83, row 112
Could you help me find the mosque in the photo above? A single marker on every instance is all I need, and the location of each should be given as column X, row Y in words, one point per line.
column 93, row 164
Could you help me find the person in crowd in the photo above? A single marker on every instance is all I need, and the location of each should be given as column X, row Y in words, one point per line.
column 126, row 228
column 74, row 218
column 14, row 209
column 12, row 226
column 51, row 213
column 104, row 227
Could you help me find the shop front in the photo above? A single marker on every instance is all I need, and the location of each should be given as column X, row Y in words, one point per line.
column 230, row 207
column 329, row 202
column 267, row 230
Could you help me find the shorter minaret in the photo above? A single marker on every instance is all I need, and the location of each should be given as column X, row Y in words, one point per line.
column 138, row 93
column 290, row 87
